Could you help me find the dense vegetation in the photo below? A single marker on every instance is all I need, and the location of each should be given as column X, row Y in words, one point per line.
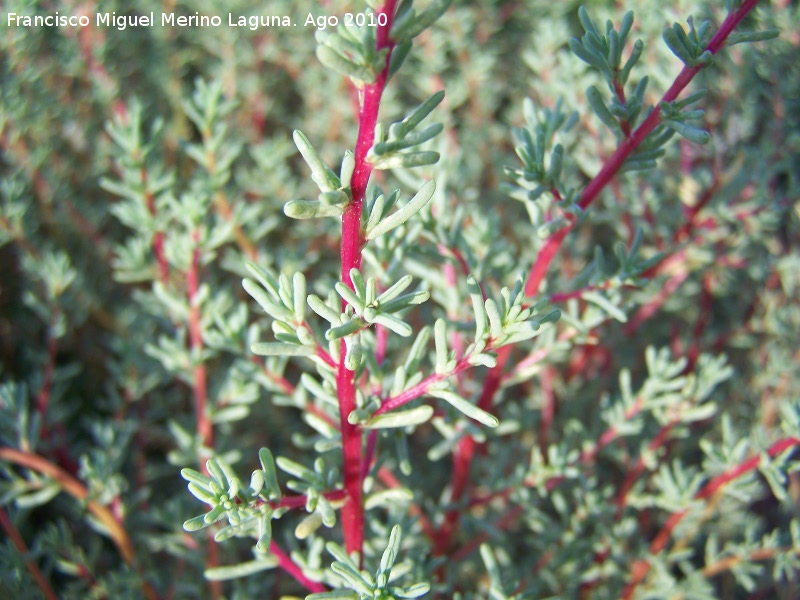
column 519, row 316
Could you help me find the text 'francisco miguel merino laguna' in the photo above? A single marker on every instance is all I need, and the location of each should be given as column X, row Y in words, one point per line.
column 122, row 22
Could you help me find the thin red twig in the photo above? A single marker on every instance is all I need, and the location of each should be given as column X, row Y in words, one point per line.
column 287, row 564
column 615, row 162
column 642, row 567
column 200, row 388
column 19, row 543
column 73, row 487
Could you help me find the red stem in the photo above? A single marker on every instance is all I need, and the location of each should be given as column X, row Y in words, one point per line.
column 610, row 434
column 388, row 478
column 510, row 518
column 564, row 296
column 302, row 500
column 642, row 567
column 352, row 242
column 544, row 258
column 61, row 451
column 612, row 166
column 286, row 387
column 686, row 230
column 158, row 236
column 640, row 466
column 19, row 543
column 648, row 310
column 43, row 397
column 462, row 457
column 200, row 388
column 537, row 355
column 706, row 302
column 619, row 90
column 204, row 427
column 369, row 456
column 420, row 389
column 287, row 564
column 549, row 403
column 715, row 484
column 72, row 486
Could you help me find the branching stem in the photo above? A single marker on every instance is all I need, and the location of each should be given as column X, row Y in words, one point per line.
column 352, row 243
column 73, row 487
column 642, row 567
column 615, row 162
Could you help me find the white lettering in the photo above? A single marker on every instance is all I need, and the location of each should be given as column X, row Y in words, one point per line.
column 322, row 22
column 195, row 20
column 55, row 20
column 257, row 21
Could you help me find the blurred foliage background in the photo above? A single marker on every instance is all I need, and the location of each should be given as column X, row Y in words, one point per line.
column 96, row 365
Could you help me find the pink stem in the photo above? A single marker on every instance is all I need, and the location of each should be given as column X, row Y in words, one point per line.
column 420, row 389
column 158, row 236
column 642, row 567
column 204, row 427
column 352, row 242
column 287, row 564
column 200, row 386
column 19, row 543
column 612, row 166
column 649, row 309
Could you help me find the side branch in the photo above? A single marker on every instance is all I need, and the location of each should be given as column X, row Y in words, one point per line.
column 19, row 543
column 77, row 490
column 352, row 242
column 615, row 162
column 642, row 567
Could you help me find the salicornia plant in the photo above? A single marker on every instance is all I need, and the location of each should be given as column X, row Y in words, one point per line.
column 302, row 267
